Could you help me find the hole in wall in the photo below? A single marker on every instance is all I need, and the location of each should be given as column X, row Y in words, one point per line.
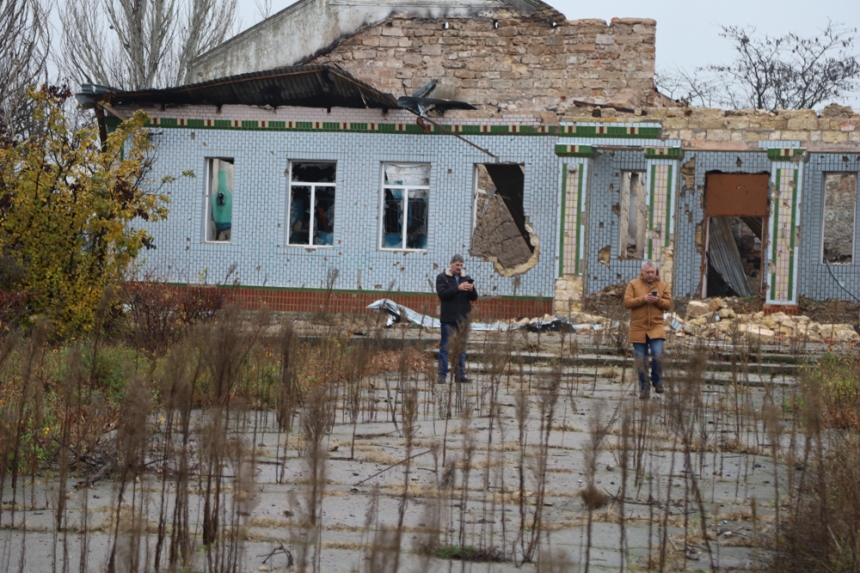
column 501, row 230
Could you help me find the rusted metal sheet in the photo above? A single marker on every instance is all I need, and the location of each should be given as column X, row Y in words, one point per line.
column 734, row 195
column 725, row 257
column 304, row 86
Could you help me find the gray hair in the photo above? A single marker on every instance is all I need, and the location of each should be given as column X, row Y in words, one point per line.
column 457, row 259
column 648, row 263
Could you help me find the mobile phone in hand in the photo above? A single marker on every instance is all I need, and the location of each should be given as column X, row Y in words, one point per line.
column 653, row 293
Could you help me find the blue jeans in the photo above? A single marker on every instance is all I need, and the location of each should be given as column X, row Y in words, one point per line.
column 640, row 351
column 447, row 329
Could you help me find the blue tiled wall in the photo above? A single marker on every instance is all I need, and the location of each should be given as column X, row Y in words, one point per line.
column 259, row 232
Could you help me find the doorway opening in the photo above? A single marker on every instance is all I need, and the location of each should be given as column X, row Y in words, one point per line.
column 736, row 208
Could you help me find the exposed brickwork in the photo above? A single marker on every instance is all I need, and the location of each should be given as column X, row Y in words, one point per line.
column 836, row 129
column 505, row 61
column 350, row 302
column 789, row 309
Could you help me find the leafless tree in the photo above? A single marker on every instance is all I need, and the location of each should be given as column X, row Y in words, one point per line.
column 264, row 8
column 788, row 72
column 24, row 45
column 139, row 44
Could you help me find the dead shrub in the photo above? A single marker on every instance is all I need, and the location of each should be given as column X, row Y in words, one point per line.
column 158, row 314
column 593, row 498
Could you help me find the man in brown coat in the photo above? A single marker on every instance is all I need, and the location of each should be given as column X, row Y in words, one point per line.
column 648, row 298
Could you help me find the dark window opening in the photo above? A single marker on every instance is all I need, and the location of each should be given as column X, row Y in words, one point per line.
column 312, row 204
column 405, row 210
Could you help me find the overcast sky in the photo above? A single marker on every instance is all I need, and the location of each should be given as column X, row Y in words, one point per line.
column 688, row 32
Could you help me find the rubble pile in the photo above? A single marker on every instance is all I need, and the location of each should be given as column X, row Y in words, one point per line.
column 714, row 319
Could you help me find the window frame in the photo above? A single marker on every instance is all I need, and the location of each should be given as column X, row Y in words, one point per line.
column 404, row 230
column 313, row 186
column 207, row 200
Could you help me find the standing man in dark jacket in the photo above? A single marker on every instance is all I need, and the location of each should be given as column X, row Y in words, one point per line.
column 456, row 291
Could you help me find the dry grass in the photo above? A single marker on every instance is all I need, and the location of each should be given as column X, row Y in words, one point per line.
column 488, row 452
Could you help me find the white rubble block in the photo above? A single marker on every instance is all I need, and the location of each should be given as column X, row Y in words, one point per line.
column 726, row 313
column 757, row 333
column 697, row 308
column 839, row 332
column 716, row 304
column 693, row 329
column 585, row 318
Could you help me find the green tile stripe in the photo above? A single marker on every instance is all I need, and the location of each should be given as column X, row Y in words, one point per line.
column 784, row 153
column 360, row 127
column 564, row 168
column 662, row 153
column 602, row 131
column 651, row 209
column 574, row 150
column 773, row 237
column 579, row 200
column 614, row 131
column 669, row 187
column 791, row 243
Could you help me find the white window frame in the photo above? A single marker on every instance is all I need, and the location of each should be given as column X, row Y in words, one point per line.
column 476, row 192
column 382, row 188
column 313, row 186
column 207, row 219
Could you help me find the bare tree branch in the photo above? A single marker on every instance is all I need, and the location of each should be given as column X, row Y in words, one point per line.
column 24, row 42
column 146, row 43
column 789, row 72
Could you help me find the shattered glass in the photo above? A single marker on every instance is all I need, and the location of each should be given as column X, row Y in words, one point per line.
column 312, row 203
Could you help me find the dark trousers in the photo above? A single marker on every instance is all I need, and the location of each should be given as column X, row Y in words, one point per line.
column 449, row 328
column 640, row 352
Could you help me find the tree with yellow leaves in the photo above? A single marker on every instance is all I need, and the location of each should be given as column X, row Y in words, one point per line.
column 67, row 206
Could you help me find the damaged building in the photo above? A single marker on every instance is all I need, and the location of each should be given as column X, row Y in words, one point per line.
column 343, row 151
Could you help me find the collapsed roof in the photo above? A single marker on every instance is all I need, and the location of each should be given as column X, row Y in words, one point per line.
column 303, row 86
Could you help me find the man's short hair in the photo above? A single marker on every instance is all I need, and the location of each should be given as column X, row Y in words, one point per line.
column 648, row 263
column 457, row 259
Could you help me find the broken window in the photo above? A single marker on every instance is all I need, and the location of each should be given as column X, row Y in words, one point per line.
column 501, row 232
column 219, row 200
column 405, row 190
column 311, row 209
column 840, row 199
column 633, row 215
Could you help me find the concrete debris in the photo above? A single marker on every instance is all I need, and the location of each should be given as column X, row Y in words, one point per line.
column 714, row 319
column 708, row 319
column 697, row 308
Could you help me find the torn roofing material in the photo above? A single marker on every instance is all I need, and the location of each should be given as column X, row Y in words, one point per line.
column 301, row 86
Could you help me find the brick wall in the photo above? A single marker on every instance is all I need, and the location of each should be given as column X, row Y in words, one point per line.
column 505, row 61
column 351, row 302
column 835, row 129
